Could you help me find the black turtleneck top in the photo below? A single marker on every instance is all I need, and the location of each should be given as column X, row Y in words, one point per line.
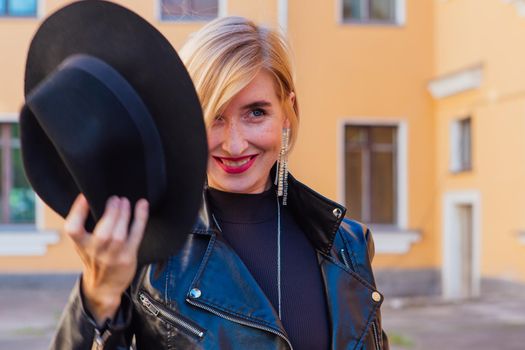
column 249, row 224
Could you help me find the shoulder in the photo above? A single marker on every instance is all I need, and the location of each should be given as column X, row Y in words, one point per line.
column 356, row 239
column 355, row 229
column 358, row 235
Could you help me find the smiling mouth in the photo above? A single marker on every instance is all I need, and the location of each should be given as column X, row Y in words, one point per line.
column 235, row 165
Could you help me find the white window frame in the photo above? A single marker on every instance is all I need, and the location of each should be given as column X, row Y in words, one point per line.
column 396, row 240
column 40, row 9
column 399, row 20
column 455, row 145
column 23, row 239
column 222, row 12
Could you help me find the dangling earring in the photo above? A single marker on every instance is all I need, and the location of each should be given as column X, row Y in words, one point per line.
column 281, row 179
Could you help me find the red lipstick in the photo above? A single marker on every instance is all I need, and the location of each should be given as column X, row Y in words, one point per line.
column 236, row 165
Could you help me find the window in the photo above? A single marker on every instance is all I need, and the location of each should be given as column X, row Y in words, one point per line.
column 371, row 173
column 461, row 145
column 17, row 200
column 371, row 11
column 189, row 10
column 18, row 8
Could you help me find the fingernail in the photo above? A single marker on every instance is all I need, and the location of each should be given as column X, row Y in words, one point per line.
column 124, row 202
column 113, row 201
column 144, row 204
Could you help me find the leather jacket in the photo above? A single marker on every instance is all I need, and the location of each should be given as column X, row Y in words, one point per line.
column 203, row 297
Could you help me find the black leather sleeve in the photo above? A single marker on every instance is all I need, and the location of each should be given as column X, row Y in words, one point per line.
column 384, row 345
column 360, row 240
column 77, row 330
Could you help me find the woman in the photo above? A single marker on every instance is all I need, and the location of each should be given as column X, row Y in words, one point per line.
column 266, row 266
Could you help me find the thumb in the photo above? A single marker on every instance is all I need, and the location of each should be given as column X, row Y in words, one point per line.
column 75, row 220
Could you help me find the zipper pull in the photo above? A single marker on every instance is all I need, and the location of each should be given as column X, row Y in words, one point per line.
column 345, row 260
column 149, row 305
column 100, row 339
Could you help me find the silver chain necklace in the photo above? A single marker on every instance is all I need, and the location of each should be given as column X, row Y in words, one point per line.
column 279, row 256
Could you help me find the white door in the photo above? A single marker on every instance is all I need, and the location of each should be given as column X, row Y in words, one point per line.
column 461, row 245
column 464, row 213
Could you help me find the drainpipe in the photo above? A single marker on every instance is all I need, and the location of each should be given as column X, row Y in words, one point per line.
column 282, row 15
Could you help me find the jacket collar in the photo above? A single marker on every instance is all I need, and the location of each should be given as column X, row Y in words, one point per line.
column 227, row 288
column 318, row 216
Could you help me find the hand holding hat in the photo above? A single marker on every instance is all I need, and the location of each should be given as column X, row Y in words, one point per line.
column 111, row 110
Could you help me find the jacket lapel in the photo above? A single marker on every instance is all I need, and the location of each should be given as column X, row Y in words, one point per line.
column 228, row 287
column 350, row 304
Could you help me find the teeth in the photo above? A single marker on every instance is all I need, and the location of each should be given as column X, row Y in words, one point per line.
column 232, row 163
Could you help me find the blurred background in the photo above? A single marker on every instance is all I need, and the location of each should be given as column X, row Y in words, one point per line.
column 412, row 115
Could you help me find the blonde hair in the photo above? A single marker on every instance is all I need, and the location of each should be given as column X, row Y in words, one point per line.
column 227, row 53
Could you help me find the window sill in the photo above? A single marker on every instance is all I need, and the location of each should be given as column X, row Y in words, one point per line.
column 394, row 241
column 460, row 170
column 25, row 242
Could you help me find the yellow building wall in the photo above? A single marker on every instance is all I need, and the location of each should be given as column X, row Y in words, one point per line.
column 489, row 32
column 367, row 72
column 343, row 71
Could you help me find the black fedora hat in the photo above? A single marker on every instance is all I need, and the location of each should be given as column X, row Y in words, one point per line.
column 111, row 110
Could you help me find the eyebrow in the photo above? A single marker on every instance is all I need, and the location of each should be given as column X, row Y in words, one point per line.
column 257, row 104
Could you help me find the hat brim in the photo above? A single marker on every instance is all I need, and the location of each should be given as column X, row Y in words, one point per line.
column 145, row 58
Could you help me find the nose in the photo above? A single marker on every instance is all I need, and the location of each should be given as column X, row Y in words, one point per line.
column 235, row 142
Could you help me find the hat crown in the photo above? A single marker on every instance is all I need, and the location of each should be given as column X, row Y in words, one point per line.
column 101, row 131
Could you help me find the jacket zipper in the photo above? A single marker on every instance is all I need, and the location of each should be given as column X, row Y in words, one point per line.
column 345, row 260
column 100, row 339
column 376, row 336
column 170, row 317
column 240, row 321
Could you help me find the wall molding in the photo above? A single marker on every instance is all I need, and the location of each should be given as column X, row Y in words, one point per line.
column 457, row 82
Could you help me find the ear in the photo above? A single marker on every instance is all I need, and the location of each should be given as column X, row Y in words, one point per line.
column 291, row 98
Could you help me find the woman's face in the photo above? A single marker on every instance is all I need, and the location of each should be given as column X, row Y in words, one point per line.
column 244, row 142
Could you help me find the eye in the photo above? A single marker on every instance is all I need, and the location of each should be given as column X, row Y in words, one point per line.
column 258, row 112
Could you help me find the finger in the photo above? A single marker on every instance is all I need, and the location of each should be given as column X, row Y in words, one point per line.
column 120, row 230
column 105, row 225
column 75, row 220
column 138, row 226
